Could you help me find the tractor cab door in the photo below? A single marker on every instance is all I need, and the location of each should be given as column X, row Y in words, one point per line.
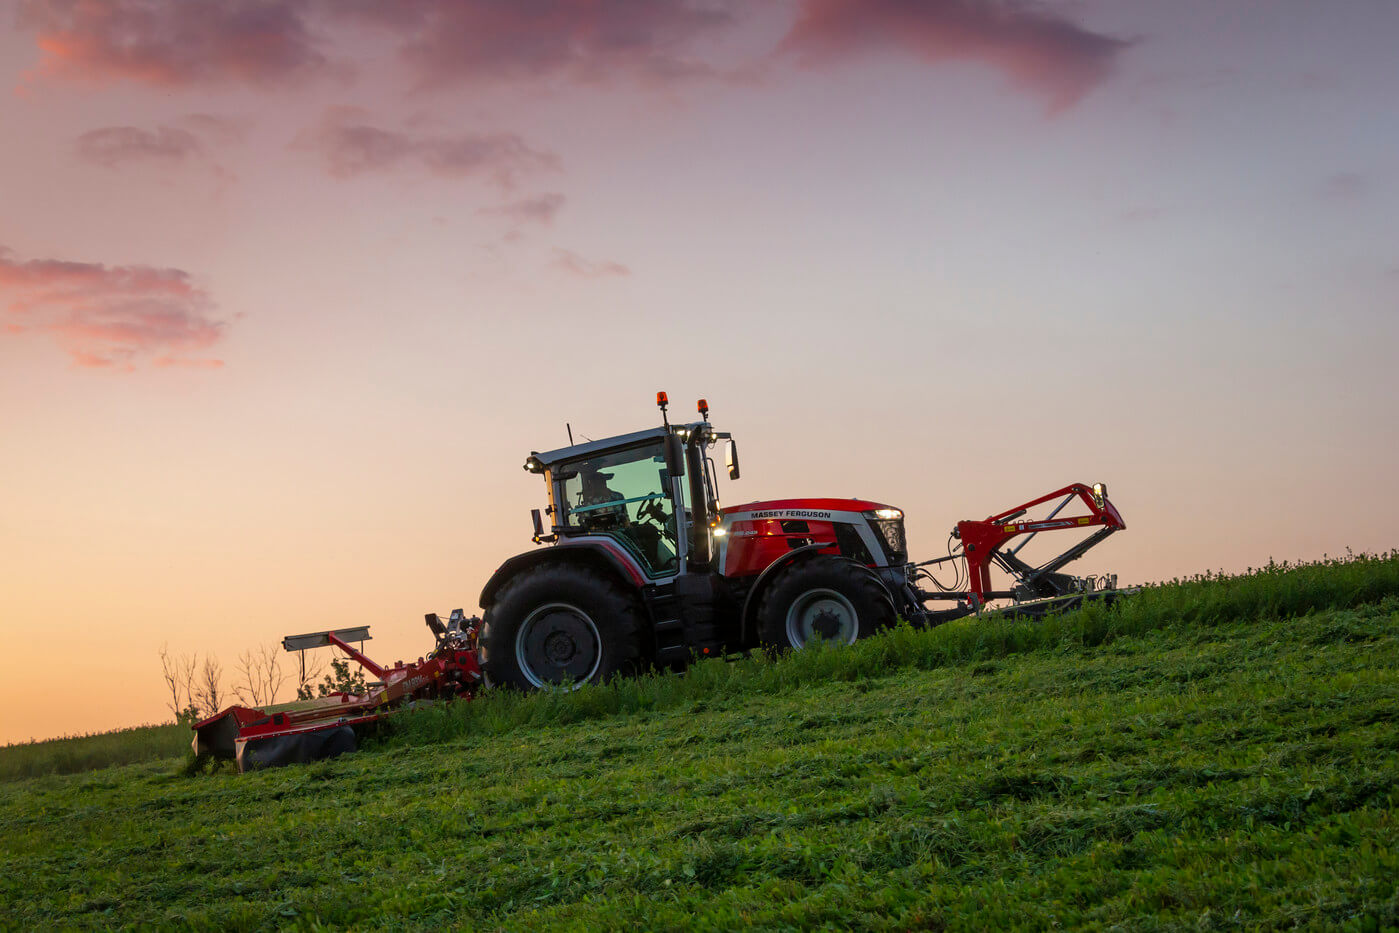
column 629, row 496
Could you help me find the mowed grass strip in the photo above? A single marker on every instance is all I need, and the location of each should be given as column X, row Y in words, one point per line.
column 1235, row 773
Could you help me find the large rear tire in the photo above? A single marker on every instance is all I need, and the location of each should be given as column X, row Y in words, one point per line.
column 558, row 624
column 823, row 599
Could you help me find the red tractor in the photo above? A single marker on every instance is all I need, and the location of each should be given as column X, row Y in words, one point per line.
column 645, row 566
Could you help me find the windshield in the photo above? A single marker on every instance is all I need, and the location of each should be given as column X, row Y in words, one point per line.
column 624, row 494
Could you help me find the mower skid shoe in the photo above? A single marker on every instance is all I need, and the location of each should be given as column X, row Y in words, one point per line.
column 273, row 751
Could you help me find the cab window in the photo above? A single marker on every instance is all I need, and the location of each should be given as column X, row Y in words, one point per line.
column 625, row 495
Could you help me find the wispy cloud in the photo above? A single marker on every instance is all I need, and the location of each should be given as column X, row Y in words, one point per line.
column 349, row 147
column 536, row 210
column 111, row 146
column 570, row 262
column 111, row 316
column 174, row 42
column 268, row 42
column 451, row 41
column 1038, row 49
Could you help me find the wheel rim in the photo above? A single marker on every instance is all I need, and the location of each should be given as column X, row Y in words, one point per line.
column 821, row 615
column 558, row 642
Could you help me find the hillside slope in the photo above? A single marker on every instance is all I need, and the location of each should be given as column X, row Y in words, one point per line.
column 1223, row 754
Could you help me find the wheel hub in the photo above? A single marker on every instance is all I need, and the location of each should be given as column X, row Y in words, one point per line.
column 821, row 615
column 826, row 623
column 559, row 647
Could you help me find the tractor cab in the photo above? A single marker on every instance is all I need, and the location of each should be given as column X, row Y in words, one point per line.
column 651, row 493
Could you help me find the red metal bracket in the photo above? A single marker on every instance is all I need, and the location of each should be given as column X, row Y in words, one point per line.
column 980, row 540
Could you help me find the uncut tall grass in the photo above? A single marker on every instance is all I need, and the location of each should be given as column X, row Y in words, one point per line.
column 74, row 754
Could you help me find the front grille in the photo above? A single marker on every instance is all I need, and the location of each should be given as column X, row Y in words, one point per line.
column 891, row 536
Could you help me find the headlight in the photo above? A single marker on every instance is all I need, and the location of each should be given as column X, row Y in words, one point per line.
column 719, row 532
column 889, row 524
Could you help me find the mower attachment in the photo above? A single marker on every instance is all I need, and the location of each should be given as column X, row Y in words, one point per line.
column 326, row 727
column 1037, row 590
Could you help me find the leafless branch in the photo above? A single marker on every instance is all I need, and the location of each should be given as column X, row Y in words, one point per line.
column 260, row 676
column 178, row 673
column 209, row 694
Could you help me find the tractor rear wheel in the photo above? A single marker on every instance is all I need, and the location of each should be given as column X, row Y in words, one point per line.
column 823, row 599
column 559, row 624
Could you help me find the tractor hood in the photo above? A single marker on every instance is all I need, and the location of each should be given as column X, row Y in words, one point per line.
column 821, row 505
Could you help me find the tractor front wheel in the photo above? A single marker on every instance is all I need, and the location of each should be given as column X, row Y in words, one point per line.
column 559, row 624
column 823, row 599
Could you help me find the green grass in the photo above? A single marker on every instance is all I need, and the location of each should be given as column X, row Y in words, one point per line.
column 74, row 754
column 1215, row 754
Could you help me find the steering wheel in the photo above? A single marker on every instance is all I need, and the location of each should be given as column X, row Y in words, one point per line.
column 650, row 510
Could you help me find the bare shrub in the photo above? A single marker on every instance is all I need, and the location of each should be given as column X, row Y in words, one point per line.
column 261, row 676
column 178, row 673
column 208, row 695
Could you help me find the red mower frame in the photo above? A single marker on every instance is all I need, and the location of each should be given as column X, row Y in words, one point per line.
column 982, row 543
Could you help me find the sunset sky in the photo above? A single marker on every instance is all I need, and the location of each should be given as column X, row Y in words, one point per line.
column 289, row 288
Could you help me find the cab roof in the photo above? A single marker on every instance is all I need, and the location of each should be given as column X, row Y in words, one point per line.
column 550, row 457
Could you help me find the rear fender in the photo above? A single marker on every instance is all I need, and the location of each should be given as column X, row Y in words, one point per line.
column 602, row 553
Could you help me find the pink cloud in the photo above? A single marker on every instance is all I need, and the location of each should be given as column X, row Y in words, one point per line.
column 537, row 210
column 111, row 316
column 568, row 261
column 591, row 40
column 454, row 42
column 183, row 42
column 114, row 145
column 1037, row 49
column 351, row 148
column 174, row 42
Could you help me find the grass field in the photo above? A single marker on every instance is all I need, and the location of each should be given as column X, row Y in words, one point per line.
column 1216, row 754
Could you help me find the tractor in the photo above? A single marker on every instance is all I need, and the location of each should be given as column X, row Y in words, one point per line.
column 642, row 566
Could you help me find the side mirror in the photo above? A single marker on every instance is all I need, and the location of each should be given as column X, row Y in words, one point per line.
column 674, row 456
column 731, row 458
